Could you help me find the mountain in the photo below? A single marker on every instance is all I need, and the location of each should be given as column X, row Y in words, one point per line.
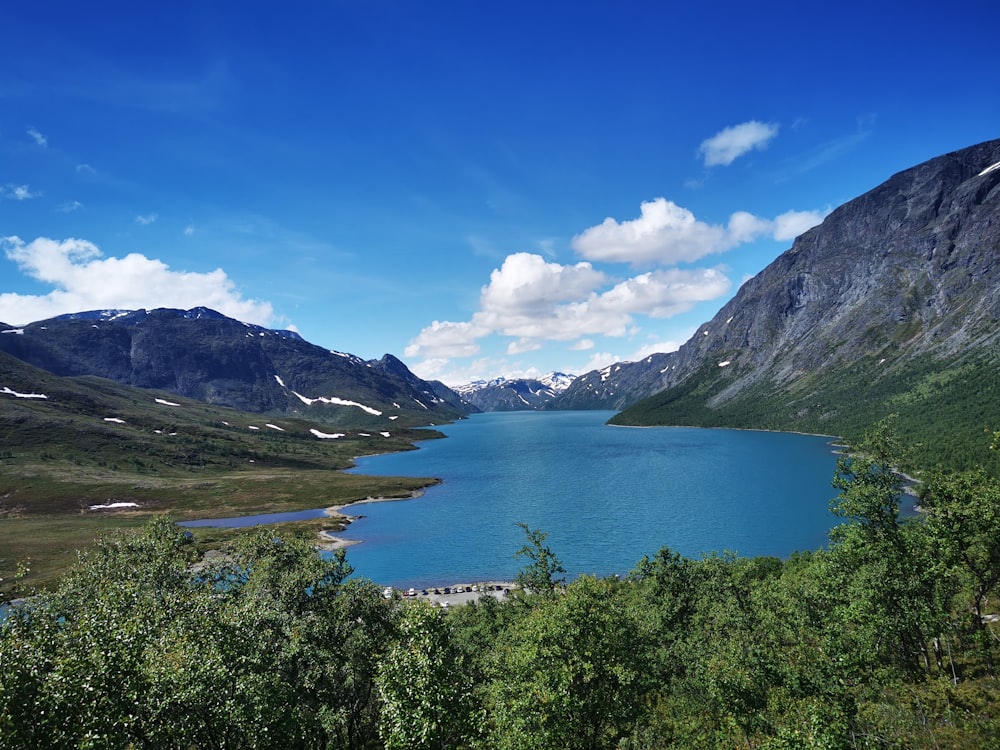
column 204, row 355
column 519, row 394
column 891, row 305
column 617, row 386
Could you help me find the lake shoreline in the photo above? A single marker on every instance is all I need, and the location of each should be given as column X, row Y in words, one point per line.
column 329, row 541
column 737, row 429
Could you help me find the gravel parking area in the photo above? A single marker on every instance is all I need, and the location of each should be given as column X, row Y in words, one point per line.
column 450, row 596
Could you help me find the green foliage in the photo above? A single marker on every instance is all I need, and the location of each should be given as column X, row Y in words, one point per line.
column 569, row 673
column 541, row 576
column 963, row 533
column 138, row 648
column 425, row 685
column 887, row 639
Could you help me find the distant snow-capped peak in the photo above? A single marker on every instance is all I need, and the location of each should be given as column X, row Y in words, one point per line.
column 478, row 385
column 555, row 381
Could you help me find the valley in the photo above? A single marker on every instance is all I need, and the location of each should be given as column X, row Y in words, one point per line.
column 92, row 442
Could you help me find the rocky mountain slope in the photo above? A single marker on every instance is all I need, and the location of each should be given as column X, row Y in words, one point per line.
column 619, row 385
column 203, row 355
column 891, row 305
column 517, row 394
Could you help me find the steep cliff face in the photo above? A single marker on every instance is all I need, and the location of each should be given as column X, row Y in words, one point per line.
column 906, row 269
column 896, row 295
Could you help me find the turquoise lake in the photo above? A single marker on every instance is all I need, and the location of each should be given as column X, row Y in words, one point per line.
column 605, row 496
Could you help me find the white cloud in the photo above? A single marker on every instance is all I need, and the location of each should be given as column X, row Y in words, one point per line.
column 443, row 369
column 444, row 339
column 70, row 207
column 791, row 224
column 599, row 360
column 189, row 230
column 527, row 284
column 85, row 280
column 522, row 345
column 38, row 138
column 530, row 298
column 663, row 293
column 530, row 301
column 146, row 219
column 727, row 145
column 17, row 192
column 533, row 301
column 85, row 169
column 666, row 234
column 660, row 347
column 745, row 227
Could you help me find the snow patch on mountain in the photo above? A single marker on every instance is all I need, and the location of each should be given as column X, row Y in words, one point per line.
column 335, row 401
column 15, row 394
column 326, row 435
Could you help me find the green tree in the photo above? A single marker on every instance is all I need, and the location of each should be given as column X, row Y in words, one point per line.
column 569, row 674
column 879, row 568
column 963, row 528
column 141, row 645
column 424, row 685
column 666, row 587
column 541, row 575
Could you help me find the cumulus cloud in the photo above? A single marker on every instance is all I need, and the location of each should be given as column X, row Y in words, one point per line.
column 791, row 224
column 527, row 284
column 38, row 138
column 146, row 219
column 445, row 339
column 85, row 280
column 666, row 234
column 532, row 301
column 530, row 298
column 70, row 207
column 745, row 227
column 663, row 293
column 17, row 192
column 723, row 148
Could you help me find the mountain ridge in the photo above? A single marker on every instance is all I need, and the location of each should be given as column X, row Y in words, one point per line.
column 515, row 394
column 207, row 356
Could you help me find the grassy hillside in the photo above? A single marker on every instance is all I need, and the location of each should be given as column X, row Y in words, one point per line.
column 93, row 442
column 944, row 408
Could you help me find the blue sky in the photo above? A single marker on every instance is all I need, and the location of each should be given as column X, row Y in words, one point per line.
column 478, row 188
